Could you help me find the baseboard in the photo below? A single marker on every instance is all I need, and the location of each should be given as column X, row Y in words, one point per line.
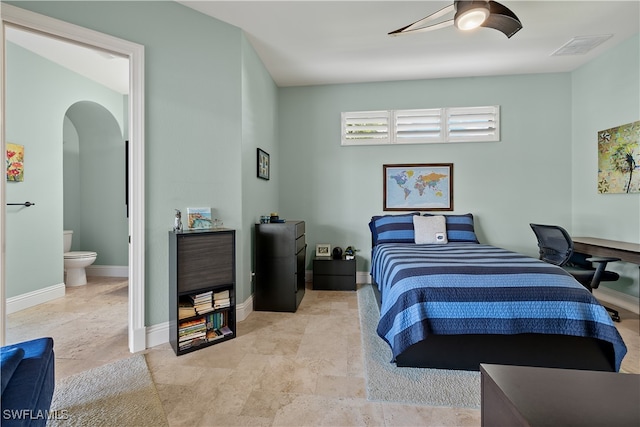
column 34, row 298
column 108, row 270
column 363, row 277
column 619, row 299
column 245, row 309
column 159, row 334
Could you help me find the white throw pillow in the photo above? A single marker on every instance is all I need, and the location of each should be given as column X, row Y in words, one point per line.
column 430, row 229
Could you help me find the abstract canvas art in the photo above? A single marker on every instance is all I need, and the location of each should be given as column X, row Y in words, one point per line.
column 619, row 159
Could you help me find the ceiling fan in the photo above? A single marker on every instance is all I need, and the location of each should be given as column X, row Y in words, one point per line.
column 468, row 15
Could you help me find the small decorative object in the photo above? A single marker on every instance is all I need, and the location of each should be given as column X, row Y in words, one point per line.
column 619, row 158
column 350, row 253
column 263, row 164
column 274, row 217
column 418, row 187
column 177, row 222
column 337, row 253
column 217, row 223
column 264, row 219
column 323, row 249
column 199, row 218
column 15, row 162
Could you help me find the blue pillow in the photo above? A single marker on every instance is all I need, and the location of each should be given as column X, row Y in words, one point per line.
column 10, row 358
column 460, row 228
column 393, row 228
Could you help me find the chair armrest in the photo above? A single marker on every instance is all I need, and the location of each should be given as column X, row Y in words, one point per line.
column 600, row 264
column 602, row 259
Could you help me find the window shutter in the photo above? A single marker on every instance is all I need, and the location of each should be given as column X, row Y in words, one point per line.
column 418, row 126
column 366, row 128
column 455, row 124
column 473, row 124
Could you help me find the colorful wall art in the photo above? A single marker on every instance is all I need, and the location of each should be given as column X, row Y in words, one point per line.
column 15, row 162
column 619, row 159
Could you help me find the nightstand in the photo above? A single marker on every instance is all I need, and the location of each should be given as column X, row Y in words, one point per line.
column 334, row 274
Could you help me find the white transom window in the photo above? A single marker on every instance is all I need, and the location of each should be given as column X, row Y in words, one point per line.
column 421, row 126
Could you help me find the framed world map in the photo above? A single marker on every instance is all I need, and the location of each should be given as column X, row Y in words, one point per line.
column 418, row 187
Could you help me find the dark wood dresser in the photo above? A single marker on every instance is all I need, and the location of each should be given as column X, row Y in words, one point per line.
column 280, row 260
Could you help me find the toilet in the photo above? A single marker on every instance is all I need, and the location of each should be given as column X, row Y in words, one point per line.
column 76, row 262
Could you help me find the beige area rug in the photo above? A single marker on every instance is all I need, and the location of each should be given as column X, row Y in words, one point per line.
column 388, row 383
column 118, row 394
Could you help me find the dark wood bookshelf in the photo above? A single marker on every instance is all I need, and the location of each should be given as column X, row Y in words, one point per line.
column 202, row 282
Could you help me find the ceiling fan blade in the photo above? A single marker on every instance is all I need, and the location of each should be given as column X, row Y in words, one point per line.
column 416, row 25
column 501, row 18
column 424, row 29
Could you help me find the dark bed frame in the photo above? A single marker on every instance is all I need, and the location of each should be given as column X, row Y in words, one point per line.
column 467, row 352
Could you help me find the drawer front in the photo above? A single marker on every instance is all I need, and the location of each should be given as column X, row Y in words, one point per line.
column 333, row 267
column 334, row 283
column 301, row 243
column 299, row 229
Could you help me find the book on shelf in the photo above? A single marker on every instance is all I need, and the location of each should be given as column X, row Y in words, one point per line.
column 226, row 330
column 222, row 303
column 202, row 302
column 221, row 295
column 213, row 334
column 185, row 310
column 216, row 320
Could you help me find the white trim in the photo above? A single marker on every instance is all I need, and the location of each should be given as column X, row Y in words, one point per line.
column 245, row 309
column 31, row 299
column 3, row 302
column 135, row 52
column 363, row 277
column 157, row 334
column 108, row 270
column 619, row 299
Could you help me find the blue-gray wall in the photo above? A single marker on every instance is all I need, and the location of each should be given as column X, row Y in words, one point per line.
column 39, row 94
column 210, row 103
column 605, row 94
column 194, row 119
column 506, row 185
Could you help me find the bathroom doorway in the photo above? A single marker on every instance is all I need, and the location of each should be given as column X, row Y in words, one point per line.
column 13, row 17
column 94, row 180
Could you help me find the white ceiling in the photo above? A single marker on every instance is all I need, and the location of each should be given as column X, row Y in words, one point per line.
column 324, row 42
column 321, row 42
column 109, row 70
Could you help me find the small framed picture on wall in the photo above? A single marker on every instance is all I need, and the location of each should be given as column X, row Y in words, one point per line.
column 263, row 164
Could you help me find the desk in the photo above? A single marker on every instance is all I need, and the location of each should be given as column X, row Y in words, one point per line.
column 628, row 252
column 529, row 396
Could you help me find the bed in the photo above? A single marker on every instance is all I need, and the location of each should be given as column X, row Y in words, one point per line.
column 458, row 303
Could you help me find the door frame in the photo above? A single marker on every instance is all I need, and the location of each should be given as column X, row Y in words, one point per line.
column 31, row 21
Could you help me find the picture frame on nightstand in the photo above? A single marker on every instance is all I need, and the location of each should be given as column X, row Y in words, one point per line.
column 323, row 249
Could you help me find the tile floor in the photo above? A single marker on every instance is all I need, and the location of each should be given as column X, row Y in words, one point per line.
column 283, row 369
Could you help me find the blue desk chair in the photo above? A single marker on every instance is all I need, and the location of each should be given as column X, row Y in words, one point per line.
column 556, row 247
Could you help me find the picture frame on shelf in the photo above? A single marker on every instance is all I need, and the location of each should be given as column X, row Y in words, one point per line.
column 418, row 187
column 323, row 249
column 199, row 218
column 264, row 165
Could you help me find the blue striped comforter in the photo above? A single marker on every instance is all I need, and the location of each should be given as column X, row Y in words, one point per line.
column 467, row 288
